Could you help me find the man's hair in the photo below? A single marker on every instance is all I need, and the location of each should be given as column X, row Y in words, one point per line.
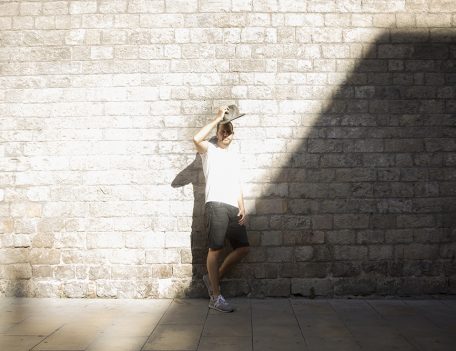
column 226, row 126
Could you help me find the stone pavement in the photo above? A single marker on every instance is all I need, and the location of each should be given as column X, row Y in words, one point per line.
column 269, row 324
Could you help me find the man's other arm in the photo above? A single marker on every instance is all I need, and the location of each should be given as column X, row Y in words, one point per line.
column 241, row 206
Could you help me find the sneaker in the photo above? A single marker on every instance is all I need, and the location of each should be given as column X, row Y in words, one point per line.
column 219, row 304
column 208, row 284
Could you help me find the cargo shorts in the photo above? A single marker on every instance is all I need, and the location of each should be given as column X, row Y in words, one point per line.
column 222, row 222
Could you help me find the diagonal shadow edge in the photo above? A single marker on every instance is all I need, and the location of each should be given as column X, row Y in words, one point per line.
column 370, row 201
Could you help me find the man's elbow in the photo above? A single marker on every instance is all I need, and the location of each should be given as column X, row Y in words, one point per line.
column 199, row 146
column 196, row 141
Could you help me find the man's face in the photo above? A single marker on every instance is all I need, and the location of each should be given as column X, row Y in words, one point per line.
column 225, row 135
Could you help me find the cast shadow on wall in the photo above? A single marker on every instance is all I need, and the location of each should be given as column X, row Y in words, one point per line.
column 193, row 174
column 370, row 198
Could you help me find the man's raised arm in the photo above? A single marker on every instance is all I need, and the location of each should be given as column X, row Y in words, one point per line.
column 200, row 138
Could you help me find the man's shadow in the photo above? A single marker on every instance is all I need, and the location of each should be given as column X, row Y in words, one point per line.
column 193, row 174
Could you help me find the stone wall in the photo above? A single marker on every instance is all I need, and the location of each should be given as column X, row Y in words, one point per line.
column 348, row 147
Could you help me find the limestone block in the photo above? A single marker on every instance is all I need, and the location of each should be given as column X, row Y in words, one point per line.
column 353, row 286
column 42, row 271
column 311, row 287
column 182, row 270
column 29, row 8
column 99, row 272
column 172, row 287
column 80, row 7
column 271, row 238
column 63, row 272
column 181, row 6
column 44, row 256
column 16, row 271
column 271, row 287
column 160, row 271
column 380, row 252
column 177, row 239
column 128, row 256
column 105, row 240
column 97, row 21
column 55, row 8
column 133, row 272
column 213, row 6
column 441, row 6
column 147, row 240
column 146, row 6
column 46, row 288
column 304, row 253
column 106, row 288
column 9, row 9
column 350, row 252
column 107, row 6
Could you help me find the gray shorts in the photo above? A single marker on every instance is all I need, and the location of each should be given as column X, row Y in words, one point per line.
column 222, row 223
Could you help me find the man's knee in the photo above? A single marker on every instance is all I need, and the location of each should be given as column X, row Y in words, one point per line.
column 214, row 252
column 244, row 250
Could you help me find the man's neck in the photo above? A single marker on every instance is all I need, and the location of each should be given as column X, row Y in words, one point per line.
column 221, row 145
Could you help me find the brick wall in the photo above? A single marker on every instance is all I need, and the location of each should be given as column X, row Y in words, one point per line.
column 348, row 147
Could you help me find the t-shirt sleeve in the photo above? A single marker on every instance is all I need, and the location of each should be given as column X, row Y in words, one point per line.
column 209, row 150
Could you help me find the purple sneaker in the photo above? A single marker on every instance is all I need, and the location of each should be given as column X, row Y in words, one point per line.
column 219, row 304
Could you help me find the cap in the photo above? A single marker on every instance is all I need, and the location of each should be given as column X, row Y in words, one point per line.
column 231, row 114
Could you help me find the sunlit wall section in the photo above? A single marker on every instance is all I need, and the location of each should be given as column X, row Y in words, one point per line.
column 347, row 145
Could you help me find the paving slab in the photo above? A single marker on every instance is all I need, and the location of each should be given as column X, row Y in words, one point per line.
column 39, row 326
column 318, row 343
column 414, row 326
column 271, row 343
column 322, row 328
column 266, row 313
column 236, row 324
column 275, row 326
column 368, row 328
column 69, row 337
column 450, row 301
column 225, row 343
column 228, row 324
column 437, row 313
column 78, row 334
column 186, row 312
column 179, row 337
column 119, row 343
column 257, row 324
column 18, row 342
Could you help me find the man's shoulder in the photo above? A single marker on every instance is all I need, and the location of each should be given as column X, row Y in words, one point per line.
column 212, row 142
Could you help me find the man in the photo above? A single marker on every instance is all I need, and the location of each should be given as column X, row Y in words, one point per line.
column 224, row 207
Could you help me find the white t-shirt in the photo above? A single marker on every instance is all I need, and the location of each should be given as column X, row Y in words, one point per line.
column 222, row 172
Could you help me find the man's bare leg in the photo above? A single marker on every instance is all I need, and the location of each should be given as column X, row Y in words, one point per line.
column 215, row 272
column 233, row 257
column 212, row 264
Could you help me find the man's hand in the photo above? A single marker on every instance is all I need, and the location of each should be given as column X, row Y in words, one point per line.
column 221, row 112
column 243, row 217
